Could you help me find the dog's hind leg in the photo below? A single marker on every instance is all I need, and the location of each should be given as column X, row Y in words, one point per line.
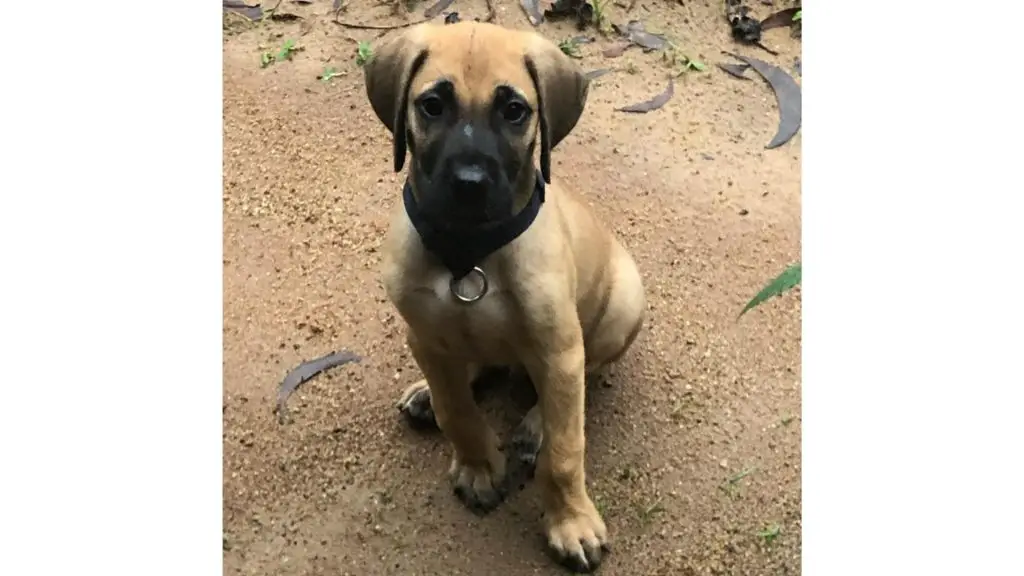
column 414, row 403
column 526, row 442
column 624, row 318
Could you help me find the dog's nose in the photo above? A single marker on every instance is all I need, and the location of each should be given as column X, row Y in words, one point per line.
column 470, row 183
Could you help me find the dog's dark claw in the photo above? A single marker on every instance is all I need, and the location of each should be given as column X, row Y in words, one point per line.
column 594, row 555
column 585, row 563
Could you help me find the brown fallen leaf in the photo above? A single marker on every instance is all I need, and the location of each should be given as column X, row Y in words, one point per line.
column 652, row 104
column 533, row 11
column 787, row 94
column 737, row 70
column 595, row 74
column 306, row 26
column 616, row 51
column 779, row 19
column 284, row 16
column 437, row 8
column 635, row 33
column 254, row 12
column 304, row 372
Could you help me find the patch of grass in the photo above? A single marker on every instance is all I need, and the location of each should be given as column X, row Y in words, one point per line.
column 740, row 476
column 328, row 74
column 796, row 17
column 676, row 57
column 770, row 533
column 648, row 513
column 788, row 279
column 363, row 53
column 691, row 64
column 288, row 49
column 570, row 48
column 786, row 420
column 600, row 17
column 730, row 484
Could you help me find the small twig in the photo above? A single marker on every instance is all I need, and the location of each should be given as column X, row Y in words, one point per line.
column 766, row 49
column 239, row 15
column 270, row 12
column 736, row 478
column 357, row 26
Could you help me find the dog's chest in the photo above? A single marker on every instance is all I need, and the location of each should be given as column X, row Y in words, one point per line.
column 482, row 331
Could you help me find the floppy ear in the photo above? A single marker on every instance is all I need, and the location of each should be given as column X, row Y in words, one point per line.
column 387, row 75
column 562, row 90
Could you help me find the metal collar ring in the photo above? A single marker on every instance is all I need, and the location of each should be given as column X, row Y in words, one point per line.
column 454, row 285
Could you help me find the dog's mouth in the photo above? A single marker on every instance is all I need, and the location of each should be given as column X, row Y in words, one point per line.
column 449, row 211
column 472, row 215
column 460, row 220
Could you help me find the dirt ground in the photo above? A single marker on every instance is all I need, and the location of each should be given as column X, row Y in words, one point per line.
column 693, row 450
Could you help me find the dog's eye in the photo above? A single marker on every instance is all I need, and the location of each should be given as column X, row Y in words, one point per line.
column 431, row 106
column 515, row 112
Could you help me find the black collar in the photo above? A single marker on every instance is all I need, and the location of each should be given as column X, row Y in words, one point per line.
column 461, row 251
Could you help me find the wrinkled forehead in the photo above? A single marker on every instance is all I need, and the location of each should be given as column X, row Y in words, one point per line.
column 476, row 62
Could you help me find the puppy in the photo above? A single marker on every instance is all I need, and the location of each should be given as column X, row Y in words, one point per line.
column 490, row 262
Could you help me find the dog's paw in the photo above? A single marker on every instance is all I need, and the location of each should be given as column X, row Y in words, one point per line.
column 526, row 442
column 480, row 488
column 578, row 540
column 415, row 406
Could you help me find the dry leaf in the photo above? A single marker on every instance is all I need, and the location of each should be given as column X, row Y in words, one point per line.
column 652, row 104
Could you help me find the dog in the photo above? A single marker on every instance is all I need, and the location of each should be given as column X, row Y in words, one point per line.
column 491, row 262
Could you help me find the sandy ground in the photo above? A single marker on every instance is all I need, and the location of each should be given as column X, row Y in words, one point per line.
column 694, row 440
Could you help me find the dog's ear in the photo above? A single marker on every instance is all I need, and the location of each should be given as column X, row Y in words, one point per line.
column 561, row 95
column 387, row 74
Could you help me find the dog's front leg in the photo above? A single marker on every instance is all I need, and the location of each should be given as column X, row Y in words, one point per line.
column 575, row 531
column 478, row 466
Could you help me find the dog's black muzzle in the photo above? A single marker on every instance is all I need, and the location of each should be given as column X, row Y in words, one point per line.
column 468, row 186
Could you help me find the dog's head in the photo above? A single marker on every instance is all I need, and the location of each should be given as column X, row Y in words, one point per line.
column 471, row 102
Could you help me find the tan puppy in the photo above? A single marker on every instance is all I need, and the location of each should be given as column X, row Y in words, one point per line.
column 489, row 266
